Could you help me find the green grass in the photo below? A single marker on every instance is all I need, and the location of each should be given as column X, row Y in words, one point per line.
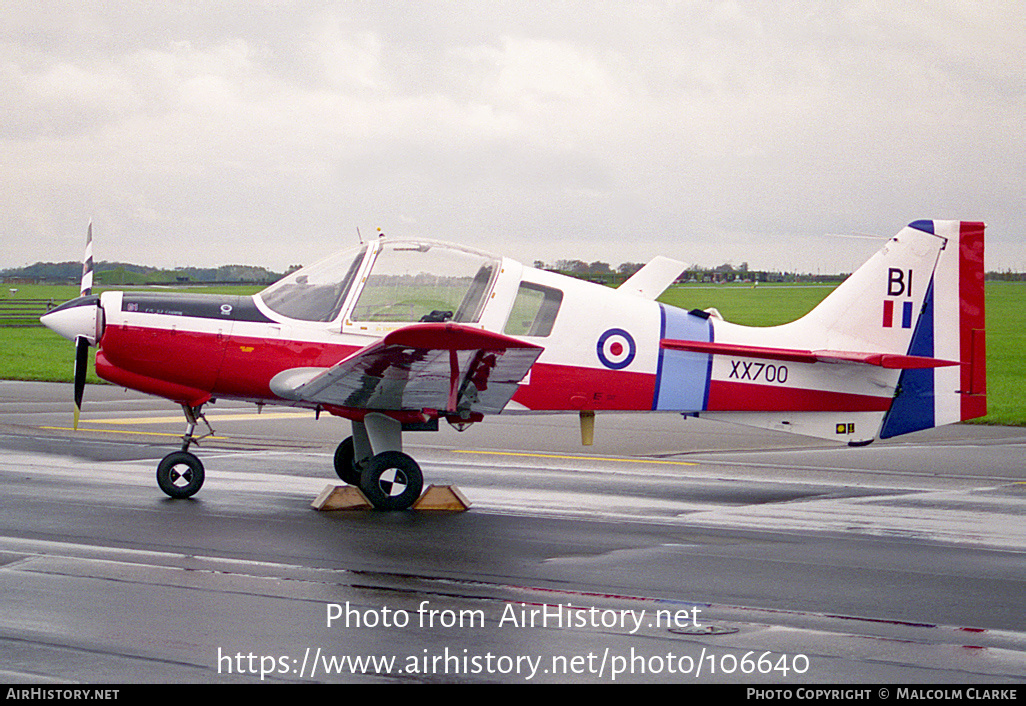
column 1006, row 353
column 39, row 354
column 764, row 305
column 62, row 293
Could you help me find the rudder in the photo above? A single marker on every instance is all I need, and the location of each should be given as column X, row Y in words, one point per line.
column 951, row 326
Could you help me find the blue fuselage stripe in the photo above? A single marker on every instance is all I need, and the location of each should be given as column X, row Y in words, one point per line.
column 682, row 377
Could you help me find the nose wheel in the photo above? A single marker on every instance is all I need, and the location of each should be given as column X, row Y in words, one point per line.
column 180, row 475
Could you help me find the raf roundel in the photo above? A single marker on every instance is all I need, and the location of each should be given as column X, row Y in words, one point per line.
column 616, row 349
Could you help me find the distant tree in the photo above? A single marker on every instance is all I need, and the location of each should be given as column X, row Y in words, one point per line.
column 574, row 266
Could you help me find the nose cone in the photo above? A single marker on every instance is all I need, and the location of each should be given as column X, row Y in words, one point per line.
column 76, row 318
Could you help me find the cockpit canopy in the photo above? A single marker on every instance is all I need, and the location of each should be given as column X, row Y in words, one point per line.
column 405, row 281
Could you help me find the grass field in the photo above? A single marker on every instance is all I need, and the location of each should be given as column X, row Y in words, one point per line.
column 38, row 354
column 764, row 305
column 1006, row 353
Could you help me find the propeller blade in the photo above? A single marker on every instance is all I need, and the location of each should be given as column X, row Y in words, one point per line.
column 81, row 365
column 86, row 287
column 81, row 343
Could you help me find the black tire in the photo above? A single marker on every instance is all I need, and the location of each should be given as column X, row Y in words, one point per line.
column 180, row 475
column 391, row 481
column 345, row 462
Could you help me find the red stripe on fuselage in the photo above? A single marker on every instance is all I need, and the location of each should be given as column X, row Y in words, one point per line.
column 250, row 363
column 745, row 397
column 151, row 386
column 242, row 367
column 566, row 387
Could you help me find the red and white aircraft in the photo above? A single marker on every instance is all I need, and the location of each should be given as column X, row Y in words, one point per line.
column 395, row 335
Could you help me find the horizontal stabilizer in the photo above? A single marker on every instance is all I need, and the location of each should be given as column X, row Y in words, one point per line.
column 883, row 360
column 653, row 279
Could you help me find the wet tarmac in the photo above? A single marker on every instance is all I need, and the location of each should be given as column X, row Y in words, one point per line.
column 673, row 550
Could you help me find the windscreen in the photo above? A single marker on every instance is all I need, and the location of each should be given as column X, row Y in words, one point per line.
column 317, row 292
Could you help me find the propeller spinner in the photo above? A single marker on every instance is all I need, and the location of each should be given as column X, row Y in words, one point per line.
column 79, row 320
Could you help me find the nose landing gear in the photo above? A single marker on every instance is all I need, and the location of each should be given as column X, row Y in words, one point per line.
column 180, row 474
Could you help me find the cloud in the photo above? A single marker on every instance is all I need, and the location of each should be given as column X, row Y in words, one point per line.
column 275, row 129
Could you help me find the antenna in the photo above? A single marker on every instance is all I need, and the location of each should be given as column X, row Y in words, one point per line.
column 859, row 236
column 360, row 237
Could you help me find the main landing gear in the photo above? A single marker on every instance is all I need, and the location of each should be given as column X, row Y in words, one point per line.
column 180, row 474
column 372, row 459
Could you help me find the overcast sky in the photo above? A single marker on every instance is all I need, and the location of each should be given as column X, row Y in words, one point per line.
column 266, row 132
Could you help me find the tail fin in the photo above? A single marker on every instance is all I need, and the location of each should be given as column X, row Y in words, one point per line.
column 921, row 295
column 877, row 308
column 952, row 325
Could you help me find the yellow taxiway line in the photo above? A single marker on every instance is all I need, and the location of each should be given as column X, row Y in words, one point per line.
column 124, row 431
column 566, row 457
column 129, row 421
column 212, row 417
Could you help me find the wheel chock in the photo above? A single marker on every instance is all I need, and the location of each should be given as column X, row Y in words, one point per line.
column 442, row 497
column 341, row 497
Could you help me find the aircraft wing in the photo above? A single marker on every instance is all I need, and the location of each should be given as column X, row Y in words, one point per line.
column 883, row 360
column 440, row 366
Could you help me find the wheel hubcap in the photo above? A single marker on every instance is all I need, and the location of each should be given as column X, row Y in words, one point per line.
column 180, row 480
column 392, row 482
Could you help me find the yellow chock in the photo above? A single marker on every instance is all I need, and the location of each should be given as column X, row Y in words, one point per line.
column 442, row 497
column 341, row 497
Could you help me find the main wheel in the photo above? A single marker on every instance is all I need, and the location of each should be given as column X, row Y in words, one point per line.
column 180, row 474
column 345, row 462
column 391, row 481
